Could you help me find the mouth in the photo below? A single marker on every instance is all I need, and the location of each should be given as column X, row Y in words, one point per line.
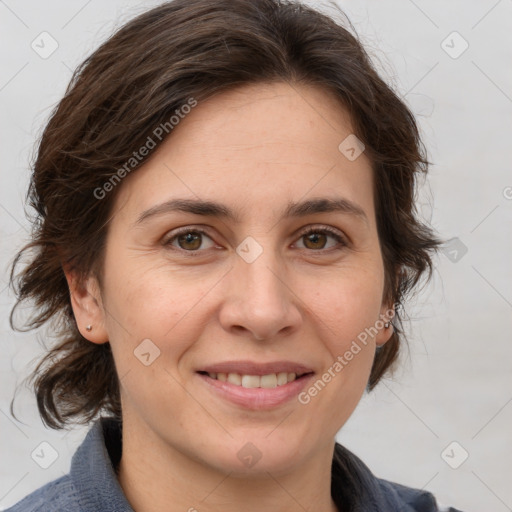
column 256, row 386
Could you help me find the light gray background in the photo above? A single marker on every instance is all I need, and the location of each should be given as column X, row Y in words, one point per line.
column 455, row 383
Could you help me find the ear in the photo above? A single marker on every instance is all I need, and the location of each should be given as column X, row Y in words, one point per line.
column 387, row 313
column 87, row 307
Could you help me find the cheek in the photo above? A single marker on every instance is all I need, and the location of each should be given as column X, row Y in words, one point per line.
column 152, row 322
column 350, row 305
column 143, row 303
column 351, row 311
column 148, row 294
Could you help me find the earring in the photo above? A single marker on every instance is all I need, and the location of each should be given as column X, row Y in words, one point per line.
column 88, row 327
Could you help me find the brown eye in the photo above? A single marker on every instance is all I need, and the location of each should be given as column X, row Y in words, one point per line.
column 317, row 239
column 188, row 240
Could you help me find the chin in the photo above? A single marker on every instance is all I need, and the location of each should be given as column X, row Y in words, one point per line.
column 258, row 457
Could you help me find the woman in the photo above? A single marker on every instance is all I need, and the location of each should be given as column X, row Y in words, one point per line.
column 225, row 235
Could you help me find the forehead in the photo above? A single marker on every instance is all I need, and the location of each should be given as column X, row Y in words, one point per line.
column 267, row 117
column 253, row 147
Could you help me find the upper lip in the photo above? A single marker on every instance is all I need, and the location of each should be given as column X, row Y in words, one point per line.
column 253, row 368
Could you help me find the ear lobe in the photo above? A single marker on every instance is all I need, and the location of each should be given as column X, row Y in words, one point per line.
column 87, row 307
column 385, row 333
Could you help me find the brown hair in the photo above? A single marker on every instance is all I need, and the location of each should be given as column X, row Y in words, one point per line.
column 134, row 82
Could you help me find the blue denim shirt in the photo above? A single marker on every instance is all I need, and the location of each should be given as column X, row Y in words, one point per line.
column 92, row 486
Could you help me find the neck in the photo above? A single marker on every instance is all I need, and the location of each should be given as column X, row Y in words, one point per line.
column 156, row 477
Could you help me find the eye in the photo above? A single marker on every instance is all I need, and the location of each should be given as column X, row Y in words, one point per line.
column 316, row 238
column 188, row 239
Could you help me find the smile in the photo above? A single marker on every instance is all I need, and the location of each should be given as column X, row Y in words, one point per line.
column 256, row 386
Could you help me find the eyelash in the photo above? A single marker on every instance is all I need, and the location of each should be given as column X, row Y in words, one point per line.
column 319, row 230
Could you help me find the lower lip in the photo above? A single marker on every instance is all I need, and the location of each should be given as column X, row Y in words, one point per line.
column 257, row 398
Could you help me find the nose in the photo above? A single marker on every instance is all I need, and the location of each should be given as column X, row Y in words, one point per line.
column 259, row 302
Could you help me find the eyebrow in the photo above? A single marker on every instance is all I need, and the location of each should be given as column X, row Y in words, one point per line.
column 214, row 209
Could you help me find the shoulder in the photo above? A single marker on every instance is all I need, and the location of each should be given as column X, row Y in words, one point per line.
column 59, row 495
column 91, row 484
column 355, row 487
column 417, row 500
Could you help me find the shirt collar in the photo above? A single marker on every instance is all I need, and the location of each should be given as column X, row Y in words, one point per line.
column 93, row 468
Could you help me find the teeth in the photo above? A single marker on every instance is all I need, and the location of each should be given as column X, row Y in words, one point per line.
column 235, row 378
column 251, row 381
column 268, row 381
column 271, row 380
column 282, row 378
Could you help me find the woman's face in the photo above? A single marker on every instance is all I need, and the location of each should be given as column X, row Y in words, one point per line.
column 250, row 292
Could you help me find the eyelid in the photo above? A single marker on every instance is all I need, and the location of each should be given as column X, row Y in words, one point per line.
column 185, row 229
column 320, row 227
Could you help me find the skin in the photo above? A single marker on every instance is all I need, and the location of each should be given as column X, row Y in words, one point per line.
column 253, row 149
